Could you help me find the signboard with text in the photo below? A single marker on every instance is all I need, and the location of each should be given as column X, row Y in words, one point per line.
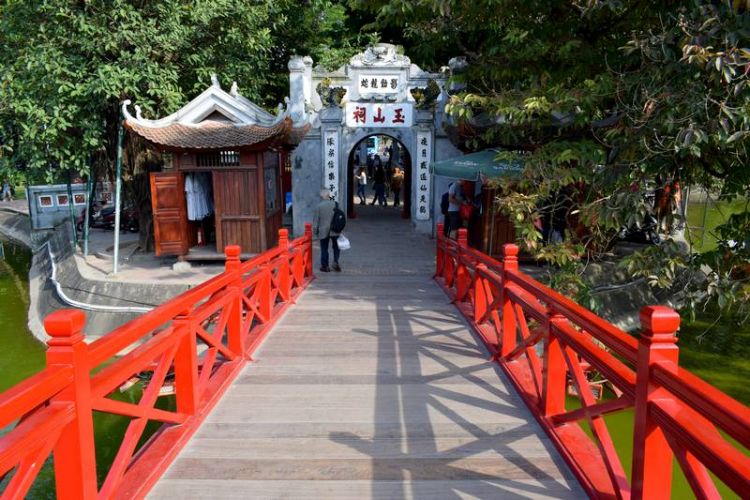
column 375, row 114
column 424, row 185
column 379, row 84
column 331, row 162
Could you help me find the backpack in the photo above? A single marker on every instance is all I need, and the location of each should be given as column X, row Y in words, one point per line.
column 339, row 219
column 444, row 203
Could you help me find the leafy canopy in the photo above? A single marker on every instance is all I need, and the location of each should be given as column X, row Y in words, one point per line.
column 66, row 66
column 607, row 98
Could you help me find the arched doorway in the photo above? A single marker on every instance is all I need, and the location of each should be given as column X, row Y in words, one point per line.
column 397, row 156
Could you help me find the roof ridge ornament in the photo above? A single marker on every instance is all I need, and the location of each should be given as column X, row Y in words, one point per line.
column 138, row 112
column 380, row 55
column 281, row 112
column 215, row 81
column 125, row 111
column 233, row 90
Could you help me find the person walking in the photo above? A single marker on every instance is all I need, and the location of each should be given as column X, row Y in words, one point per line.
column 397, row 181
column 322, row 219
column 361, row 184
column 7, row 194
column 379, row 187
column 455, row 198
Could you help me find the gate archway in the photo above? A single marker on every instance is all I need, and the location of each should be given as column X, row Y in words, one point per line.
column 372, row 95
column 403, row 161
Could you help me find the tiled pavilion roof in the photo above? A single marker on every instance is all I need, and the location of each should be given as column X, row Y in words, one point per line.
column 216, row 120
column 210, row 134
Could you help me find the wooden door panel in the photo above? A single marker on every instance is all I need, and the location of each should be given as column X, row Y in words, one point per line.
column 272, row 197
column 169, row 213
column 242, row 232
column 237, row 211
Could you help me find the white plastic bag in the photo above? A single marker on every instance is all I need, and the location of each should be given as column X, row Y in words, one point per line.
column 343, row 242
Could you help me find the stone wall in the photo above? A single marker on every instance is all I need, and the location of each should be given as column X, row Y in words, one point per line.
column 80, row 289
column 307, row 172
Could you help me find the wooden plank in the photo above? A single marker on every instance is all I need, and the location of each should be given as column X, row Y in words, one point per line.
column 517, row 446
column 189, row 489
column 346, row 468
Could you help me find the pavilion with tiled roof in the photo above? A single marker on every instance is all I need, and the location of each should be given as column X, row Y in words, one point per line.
column 238, row 151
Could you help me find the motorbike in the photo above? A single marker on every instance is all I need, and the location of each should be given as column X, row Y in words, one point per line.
column 104, row 218
column 646, row 232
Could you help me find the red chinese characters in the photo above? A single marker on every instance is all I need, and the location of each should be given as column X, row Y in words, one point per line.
column 399, row 115
column 379, row 118
column 360, row 114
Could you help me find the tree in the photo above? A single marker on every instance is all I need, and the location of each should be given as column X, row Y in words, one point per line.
column 603, row 96
column 65, row 67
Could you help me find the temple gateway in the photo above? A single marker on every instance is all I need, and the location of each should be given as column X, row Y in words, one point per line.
column 380, row 92
column 229, row 177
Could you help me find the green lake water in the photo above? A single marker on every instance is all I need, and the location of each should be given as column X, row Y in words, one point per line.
column 22, row 356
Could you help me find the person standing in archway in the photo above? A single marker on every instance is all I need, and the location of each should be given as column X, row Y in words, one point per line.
column 322, row 219
column 361, row 184
column 379, row 186
column 397, row 182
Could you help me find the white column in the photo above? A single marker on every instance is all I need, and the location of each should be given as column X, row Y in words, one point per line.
column 297, row 89
column 307, row 60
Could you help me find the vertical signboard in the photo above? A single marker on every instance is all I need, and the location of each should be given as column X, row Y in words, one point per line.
column 424, row 158
column 331, row 162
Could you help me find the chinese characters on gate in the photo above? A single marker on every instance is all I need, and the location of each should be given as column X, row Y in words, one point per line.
column 379, row 84
column 424, row 157
column 331, row 162
column 369, row 114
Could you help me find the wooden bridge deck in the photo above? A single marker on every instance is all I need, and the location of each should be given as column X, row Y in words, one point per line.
column 371, row 386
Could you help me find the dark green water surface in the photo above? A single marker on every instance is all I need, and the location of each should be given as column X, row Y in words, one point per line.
column 22, row 356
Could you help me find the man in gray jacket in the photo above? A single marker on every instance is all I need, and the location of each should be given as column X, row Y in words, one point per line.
column 322, row 231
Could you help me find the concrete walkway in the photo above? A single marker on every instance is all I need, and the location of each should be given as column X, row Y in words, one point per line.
column 371, row 386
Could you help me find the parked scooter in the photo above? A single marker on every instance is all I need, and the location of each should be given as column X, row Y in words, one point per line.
column 647, row 232
column 104, row 218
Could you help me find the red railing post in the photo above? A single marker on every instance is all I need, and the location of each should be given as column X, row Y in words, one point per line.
column 462, row 275
column 554, row 372
column 284, row 280
column 510, row 263
column 480, row 294
column 264, row 292
column 308, row 249
column 186, row 366
column 75, row 459
column 439, row 251
column 235, row 342
column 652, row 456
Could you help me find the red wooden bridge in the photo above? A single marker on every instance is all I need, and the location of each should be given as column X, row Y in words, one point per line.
column 373, row 386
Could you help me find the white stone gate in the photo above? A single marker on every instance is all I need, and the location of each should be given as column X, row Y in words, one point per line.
column 372, row 95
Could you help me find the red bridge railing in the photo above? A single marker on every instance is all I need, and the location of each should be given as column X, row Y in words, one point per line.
column 547, row 344
column 202, row 338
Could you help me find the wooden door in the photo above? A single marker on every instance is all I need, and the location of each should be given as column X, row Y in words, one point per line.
column 237, row 204
column 169, row 212
column 272, row 182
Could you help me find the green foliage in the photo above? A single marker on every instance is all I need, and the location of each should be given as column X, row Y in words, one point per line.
column 658, row 264
column 602, row 96
column 66, row 66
